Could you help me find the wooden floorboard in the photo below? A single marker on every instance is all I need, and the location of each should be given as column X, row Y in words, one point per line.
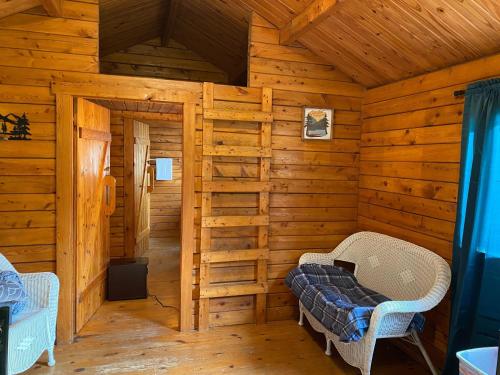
column 141, row 337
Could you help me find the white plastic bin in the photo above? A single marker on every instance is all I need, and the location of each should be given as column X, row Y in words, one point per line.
column 480, row 361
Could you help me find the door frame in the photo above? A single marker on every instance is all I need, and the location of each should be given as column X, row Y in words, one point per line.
column 99, row 86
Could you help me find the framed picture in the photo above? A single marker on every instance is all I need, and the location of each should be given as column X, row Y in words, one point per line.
column 317, row 123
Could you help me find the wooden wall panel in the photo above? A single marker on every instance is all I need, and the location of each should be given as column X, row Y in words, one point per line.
column 36, row 48
column 151, row 59
column 166, row 142
column 313, row 203
column 410, row 160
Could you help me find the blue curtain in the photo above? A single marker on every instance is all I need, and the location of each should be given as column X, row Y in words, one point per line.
column 475, row 315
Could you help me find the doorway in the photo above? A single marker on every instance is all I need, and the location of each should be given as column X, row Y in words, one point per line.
column 102, row 87
column 146, row 160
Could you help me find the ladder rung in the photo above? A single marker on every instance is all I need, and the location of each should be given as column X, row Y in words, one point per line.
column 233, row 290
column 243, row 151
column 236, row 187
column 233, row 115
column 234, row 221
column 221, row 256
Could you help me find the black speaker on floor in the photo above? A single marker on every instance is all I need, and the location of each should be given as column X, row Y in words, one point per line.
column 127, row 279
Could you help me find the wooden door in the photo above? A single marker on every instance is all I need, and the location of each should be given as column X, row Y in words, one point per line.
column 94, row 204
column 142, row 186
column 139, row 184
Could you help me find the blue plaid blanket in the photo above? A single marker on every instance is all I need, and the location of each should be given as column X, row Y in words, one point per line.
column 334, row 297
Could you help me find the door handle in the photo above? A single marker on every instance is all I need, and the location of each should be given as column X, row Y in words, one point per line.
column 109, row 195
column 152, row 177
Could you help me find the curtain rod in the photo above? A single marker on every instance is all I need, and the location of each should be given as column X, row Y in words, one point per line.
column 459, row 93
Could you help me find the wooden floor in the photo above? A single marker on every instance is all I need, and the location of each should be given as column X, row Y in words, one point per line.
column 140, row 337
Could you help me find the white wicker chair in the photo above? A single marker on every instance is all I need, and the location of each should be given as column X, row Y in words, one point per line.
column 34, row 330
column 414, row 278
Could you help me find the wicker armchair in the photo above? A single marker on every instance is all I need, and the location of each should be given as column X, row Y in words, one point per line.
column 34, row 330
column 414, row 278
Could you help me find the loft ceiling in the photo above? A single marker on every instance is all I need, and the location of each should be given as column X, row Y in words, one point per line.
column 217, row 30
column 124, row 23
column 373, row 41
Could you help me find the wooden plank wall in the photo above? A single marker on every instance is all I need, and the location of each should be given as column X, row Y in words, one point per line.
column 36, row 48
column 410, row 160
column 313, row 204
column 150, row 59
column 166, row 142
column 164, row 221
column 117, row 223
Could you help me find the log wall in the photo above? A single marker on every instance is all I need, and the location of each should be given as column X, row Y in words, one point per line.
column 35, row 49
column 150, row 59
column 313, row 203
column 410, row 161
column 166, row 142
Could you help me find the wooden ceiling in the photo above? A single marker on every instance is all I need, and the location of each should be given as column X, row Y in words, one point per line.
column 125, row 23
column 373, row 41
column 381, row 41
column 217, row 30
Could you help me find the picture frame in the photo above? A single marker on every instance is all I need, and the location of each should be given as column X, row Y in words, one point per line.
column 317, row 123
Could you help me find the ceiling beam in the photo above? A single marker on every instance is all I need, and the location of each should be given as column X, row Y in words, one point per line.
column 309, row 18
column 168, row 29
column 10, row 7
column 53, row 7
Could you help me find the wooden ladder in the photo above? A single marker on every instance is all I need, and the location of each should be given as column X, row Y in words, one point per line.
column 259, row 255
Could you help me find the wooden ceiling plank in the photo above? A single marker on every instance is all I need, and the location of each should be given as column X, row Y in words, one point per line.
column 8, row 8
column 359, row 69
column 211, row 49
column 54, row 8
column 309, row 18
column 386, row 62
column 125, row 23
column 168, row 30
column 273, row 11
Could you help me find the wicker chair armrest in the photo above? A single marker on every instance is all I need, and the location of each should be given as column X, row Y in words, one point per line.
column 399, row 307
column 404, row 310
column 42, row 288
column 43, row 292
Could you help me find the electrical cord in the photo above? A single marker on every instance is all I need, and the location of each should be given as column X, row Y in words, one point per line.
column 161, row 303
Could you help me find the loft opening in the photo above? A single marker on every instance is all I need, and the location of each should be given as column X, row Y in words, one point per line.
column 175, row 40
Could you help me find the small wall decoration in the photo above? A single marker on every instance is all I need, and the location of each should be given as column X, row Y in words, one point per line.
column 317, row 123
column 18, row 128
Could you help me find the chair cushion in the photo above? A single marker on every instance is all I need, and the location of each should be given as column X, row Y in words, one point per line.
column 336, row 299
column 12, row 292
